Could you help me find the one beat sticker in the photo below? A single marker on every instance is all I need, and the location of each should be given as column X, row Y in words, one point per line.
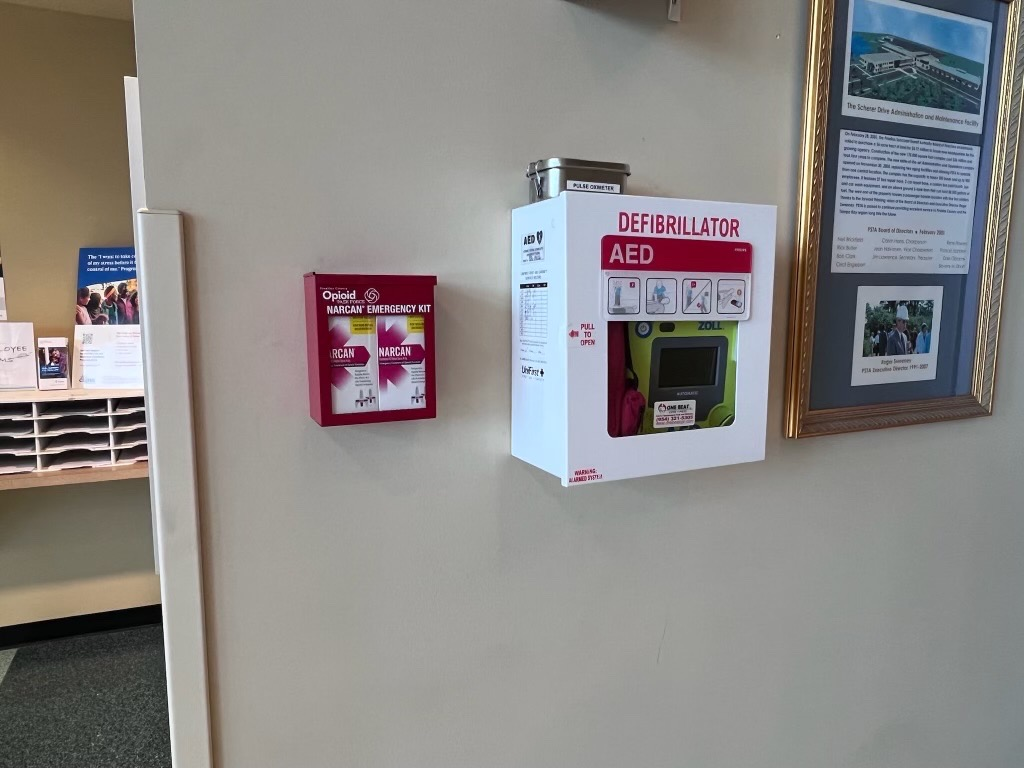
column 675, row 413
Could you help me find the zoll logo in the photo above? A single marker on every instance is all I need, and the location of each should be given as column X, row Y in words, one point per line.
column 330, row 295
column 371, row 295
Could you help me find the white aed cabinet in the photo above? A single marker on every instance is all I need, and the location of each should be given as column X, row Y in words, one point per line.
column 641, row 334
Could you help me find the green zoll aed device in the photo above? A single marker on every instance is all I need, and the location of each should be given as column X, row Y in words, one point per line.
column 687, row 373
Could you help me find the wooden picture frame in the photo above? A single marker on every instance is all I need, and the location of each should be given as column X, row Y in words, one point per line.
column 804, row 420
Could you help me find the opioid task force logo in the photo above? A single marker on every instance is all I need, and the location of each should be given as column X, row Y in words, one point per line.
column 371, row 295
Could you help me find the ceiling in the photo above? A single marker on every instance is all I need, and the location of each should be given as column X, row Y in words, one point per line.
column 110, row 9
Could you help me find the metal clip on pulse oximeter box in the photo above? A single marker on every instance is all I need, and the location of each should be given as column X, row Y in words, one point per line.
column 641, row 332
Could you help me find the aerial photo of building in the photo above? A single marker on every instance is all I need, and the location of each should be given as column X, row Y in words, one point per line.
column 903, row 53
column 893, row 57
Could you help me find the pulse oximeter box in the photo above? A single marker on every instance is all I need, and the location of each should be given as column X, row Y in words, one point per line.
column 370, row 348
column 641, row 334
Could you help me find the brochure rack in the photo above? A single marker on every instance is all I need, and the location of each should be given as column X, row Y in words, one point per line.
column 71, row 436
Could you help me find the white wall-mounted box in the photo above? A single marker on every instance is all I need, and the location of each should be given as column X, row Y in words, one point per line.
column 675, row 293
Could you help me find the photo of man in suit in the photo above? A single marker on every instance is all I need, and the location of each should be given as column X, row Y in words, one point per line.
column 897, row 327
column 897, row 343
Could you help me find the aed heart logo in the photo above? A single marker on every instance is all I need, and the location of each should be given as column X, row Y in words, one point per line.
column 534, row 239
column 371, row 295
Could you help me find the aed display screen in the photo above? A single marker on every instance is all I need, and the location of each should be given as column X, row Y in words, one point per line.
column 688, row 367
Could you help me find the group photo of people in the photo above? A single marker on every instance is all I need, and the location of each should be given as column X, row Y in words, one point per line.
column 898, row 328
column 108, row 304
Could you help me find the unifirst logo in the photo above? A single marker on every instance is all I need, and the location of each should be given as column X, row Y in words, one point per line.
column 330, row 295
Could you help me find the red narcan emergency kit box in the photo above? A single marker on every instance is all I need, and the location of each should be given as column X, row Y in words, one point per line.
column 370, row 345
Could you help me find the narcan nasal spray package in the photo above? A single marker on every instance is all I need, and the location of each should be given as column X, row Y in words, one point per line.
column 353, row 364
column 401, row 355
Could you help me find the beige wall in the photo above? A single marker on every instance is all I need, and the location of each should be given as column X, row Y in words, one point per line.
column 63, row 185
column 410, row 595
column 64, row 155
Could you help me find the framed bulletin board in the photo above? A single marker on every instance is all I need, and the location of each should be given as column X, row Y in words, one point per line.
column 910, row 135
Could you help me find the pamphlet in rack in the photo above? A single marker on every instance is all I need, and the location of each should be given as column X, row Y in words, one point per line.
column 108, row 338
column 17, row 356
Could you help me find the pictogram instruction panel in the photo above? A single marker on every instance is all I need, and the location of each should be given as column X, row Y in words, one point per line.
column 664, row 278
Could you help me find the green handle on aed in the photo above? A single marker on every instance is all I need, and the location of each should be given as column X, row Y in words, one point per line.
column 721, row 416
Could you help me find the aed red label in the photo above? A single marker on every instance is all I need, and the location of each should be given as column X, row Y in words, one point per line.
column 664, row 254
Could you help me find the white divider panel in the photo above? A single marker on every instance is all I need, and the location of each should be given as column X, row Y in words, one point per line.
column 172, row 479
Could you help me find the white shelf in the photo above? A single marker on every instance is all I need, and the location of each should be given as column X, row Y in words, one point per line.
column 58, row 410
column 73, row 476
column 71, row 436
column 17, row 446
column 20, row 428
column 16, row 411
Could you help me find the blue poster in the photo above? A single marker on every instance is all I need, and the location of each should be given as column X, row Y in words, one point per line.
column 108, row 287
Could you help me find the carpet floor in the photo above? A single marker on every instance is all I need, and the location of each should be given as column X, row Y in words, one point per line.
column 96, row 701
